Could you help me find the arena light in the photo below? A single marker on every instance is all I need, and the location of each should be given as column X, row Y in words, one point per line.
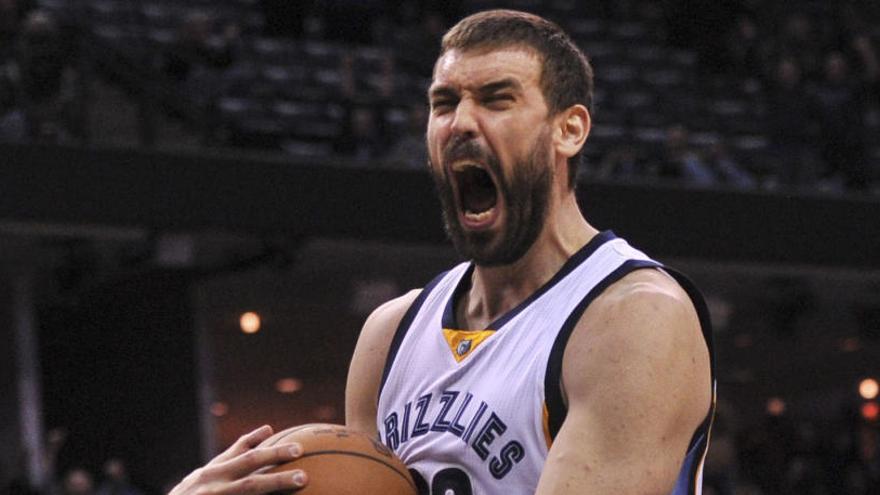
column 870, row 411
column 219, row 409
column 249, row 322
column 869, row 388
column 850, row 344
column 775, row 406
column 288, row 385
column 325, row 412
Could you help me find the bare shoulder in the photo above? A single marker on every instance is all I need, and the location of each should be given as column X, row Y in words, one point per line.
column 642, row 308
column 368, row 361
column 383, row 321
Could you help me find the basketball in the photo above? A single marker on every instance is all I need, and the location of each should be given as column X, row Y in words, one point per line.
column 340, row 461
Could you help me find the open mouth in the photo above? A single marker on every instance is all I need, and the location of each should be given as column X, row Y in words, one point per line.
column 477, row 193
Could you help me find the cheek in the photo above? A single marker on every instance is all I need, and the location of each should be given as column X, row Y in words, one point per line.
column 435, row 136
column 513, row 133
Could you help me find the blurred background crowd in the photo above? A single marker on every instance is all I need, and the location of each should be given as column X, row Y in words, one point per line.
column 738, row 93
column 754, row 95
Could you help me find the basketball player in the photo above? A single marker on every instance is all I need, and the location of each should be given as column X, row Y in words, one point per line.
column 559, row 359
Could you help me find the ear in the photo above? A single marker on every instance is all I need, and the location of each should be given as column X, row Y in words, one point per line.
column 572, row 129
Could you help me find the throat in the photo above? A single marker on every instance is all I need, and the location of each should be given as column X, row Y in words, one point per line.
column 479, row 302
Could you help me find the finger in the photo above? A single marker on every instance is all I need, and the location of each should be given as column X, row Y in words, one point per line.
column 254, row 459
column 257, row 484
column 244, row 443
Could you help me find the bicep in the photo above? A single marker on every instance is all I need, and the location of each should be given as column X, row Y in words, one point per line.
column 368, row 363
column 638, row 385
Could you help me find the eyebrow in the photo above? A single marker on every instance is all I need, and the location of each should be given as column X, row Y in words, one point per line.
column 441, row 91
column 500, row 85
column 486, row 89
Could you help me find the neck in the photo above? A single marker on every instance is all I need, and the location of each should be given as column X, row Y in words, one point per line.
column 498, row 289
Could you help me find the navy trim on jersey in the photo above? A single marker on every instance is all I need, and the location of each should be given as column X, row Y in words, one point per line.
column 403, row 327
column 702, row 432
column 556, row 408
column 684, row 484
column 702, row 310
column 450, row 321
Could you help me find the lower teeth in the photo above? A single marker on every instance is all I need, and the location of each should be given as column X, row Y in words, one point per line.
column 478, row 217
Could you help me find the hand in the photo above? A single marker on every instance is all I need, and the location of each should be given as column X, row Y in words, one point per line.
column 238, row 470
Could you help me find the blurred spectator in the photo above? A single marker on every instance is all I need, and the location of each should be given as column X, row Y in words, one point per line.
column 367, row 78
column 410, row 150
column 77, row 481
column 13, row 124
column 12, row 13
column 418, row 44
column 745, row 48
column 678, row 161
column 800, row 40
column 196, row 49
column 116, row 480
column 791, row 124
column 842, row 99
column 37, row 86
column 620, row 163
column 725, row 168
column 362, row 138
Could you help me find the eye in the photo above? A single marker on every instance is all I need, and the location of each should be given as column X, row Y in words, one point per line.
column 499, row 100
column 442, row 105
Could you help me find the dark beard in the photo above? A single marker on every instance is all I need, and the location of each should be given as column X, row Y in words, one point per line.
column 525, row 195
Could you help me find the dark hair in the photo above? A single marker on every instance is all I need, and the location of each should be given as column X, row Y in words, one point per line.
column 566, row 77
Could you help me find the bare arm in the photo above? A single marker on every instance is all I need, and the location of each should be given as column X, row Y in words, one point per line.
column 368, row 363
column 637, row 380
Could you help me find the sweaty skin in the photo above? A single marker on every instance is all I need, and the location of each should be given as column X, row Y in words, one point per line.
column 636, row 374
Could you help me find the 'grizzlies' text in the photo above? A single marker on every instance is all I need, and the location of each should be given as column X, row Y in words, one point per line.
column 453, row 413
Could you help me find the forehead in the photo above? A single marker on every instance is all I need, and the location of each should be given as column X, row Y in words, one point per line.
column 473, row 68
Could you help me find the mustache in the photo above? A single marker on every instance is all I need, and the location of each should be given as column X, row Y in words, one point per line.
column 465, row 148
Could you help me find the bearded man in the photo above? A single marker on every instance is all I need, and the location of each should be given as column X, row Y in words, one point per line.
column 558, row 359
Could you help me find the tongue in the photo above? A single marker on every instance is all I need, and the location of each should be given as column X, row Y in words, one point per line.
column 477, row 191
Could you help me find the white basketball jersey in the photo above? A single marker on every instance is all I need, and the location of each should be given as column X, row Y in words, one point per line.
column 475, row 411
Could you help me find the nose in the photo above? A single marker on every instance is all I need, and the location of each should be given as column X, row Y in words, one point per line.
column 464, row 125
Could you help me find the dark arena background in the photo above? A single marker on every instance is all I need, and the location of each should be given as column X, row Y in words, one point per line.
column 201, row 201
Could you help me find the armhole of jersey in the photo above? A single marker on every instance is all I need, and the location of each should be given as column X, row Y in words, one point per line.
column 552, row 379
column 403, row 327
column 701, row 435
column 556, row 408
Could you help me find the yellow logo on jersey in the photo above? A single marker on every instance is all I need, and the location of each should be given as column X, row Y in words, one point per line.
column 463, row 342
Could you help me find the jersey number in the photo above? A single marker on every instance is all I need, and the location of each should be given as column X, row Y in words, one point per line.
column 449, row 481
